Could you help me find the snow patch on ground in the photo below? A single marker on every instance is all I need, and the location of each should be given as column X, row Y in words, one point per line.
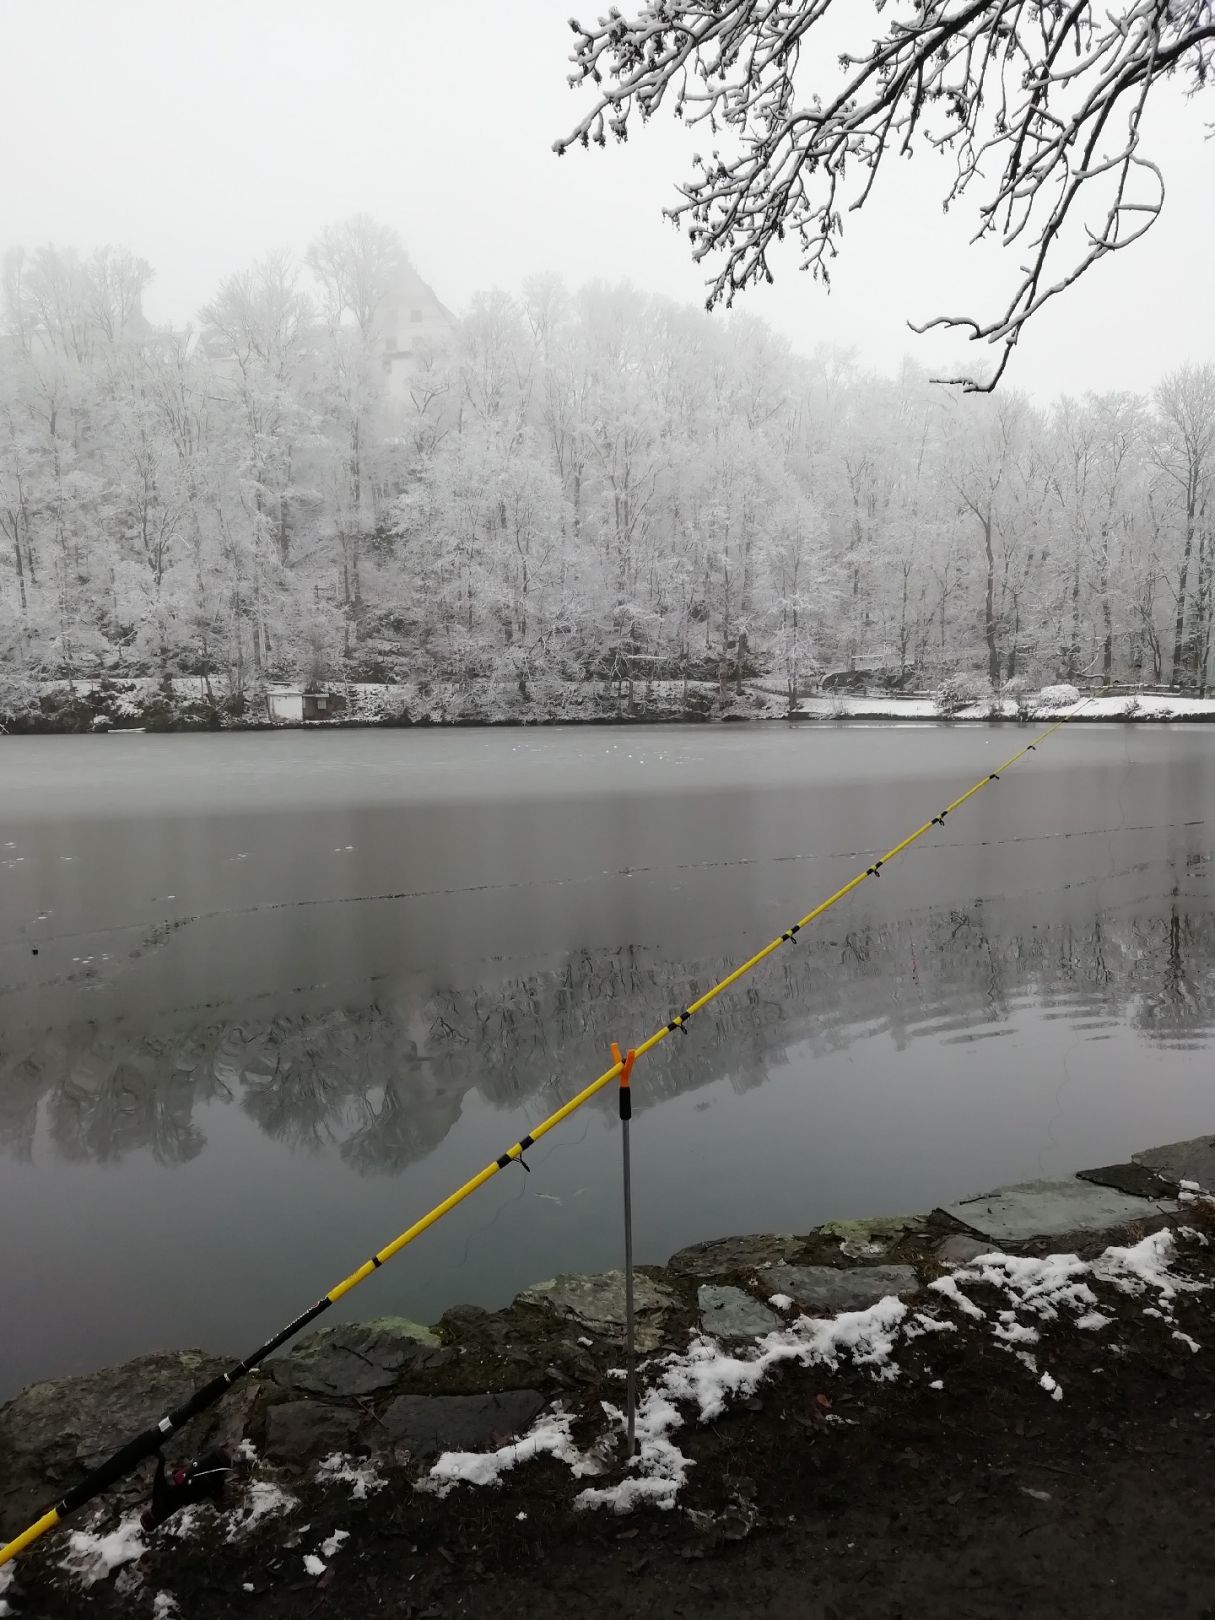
column 1138, row 706
column 91, row 1557
column 1016, row 1333
column 1144, row 1266
column 313, row 1565
column 339, row 1469
column 264, row 1501
column 164, row 1606
column 1093, row 1321
column 705, row 1377
column 183, row 1525
column 782, row 1302
column 548, row 1437
column 6, row 1580
column 1054, row 1285
column 331, row 1543
column 1042, row 1285
column 923, row 1323
column 949, row 1287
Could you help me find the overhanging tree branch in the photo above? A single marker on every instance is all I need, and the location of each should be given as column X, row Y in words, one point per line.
column 1047, row 96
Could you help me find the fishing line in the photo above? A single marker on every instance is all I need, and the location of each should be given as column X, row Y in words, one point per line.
column 575, row 880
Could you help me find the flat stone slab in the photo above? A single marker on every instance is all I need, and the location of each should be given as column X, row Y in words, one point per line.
column 596, row 1302
column 428, row 1424
column 824, row 1290
column 1193, row 1160
column 958, row 1249
column 357, row 1358
column 747, row 1253
column 1136, row 1179
column 1034, row 1209
column 729, row 1313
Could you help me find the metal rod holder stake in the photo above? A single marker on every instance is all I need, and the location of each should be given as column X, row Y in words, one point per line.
column 630, row 1330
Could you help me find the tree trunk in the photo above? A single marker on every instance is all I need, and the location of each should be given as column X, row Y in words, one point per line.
column 1200, row 636
column 1073, row 649
column 993, row 650
column 1179, row 622
column 20, row 570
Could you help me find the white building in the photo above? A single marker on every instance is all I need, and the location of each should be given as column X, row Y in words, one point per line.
column 414, row 330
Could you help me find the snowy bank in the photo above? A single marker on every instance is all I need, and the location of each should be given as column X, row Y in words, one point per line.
column 1143, row 707
column 186, row 703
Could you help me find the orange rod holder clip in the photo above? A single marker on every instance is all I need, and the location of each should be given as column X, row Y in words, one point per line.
column 626, row 1070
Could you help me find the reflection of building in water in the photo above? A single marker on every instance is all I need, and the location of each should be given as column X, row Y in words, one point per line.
column 385, row 1084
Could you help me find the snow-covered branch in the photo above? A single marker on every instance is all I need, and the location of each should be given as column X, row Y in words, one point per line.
column 1040, row 106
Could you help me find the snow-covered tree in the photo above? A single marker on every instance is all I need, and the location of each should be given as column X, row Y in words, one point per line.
column 586, row 484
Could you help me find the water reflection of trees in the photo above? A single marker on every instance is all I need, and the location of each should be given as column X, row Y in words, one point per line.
column 384, row 1084
column 104, row 1097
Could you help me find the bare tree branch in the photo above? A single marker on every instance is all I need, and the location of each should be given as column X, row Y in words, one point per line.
column 1044, row 95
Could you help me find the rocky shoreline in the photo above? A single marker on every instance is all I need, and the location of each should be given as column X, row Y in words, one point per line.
column 390, row 1396
column 108, row 705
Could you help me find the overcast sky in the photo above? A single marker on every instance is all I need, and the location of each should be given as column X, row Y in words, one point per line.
column 203, row 135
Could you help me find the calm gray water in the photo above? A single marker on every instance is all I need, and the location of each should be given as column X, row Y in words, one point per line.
column 291, row 989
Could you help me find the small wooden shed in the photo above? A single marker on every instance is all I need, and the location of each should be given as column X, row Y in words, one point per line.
column 286, row 704
column 289, row 705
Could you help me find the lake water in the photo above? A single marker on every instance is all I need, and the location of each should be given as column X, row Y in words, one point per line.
column 264, row 999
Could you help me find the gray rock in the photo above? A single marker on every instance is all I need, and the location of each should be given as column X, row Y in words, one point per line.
column 471, row 1322
column 1048, row 1209
column 1192, row 1160
column 428, row 1424
column 357, row 1358
column 303, row 1431
column 502, row 1349
column 1136, row 1179
column 729, row 1313
column 596, row 1302
column 958, row 1248
column 825, row 1290
column 730, row 1254
column 53, row 1433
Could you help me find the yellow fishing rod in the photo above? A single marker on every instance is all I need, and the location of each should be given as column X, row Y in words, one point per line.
column 148, row 1444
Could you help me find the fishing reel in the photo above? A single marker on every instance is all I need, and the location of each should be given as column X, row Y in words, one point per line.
column 172, row 1490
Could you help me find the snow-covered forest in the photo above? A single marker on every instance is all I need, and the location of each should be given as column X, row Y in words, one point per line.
column 328, row 477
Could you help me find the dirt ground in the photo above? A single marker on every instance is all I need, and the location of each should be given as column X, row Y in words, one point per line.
column 828, row 1496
